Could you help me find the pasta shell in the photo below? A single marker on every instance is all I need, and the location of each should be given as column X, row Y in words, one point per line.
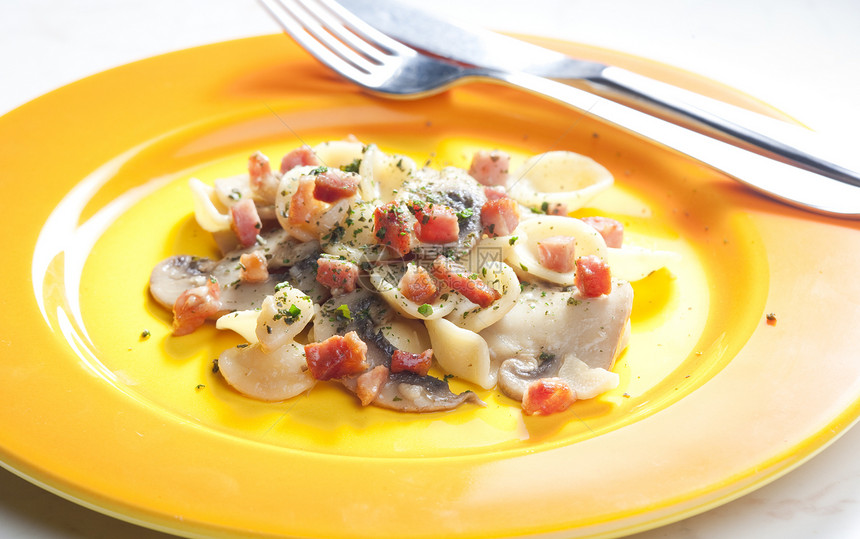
column 273, row 375
column 207, row 215
column 461, row 352
column 380, row 278
column 242, row 322
column 283, row 316
column 559, row 177
column 530, row 232
column 471, row 316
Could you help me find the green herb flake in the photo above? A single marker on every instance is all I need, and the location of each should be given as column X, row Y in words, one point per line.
column 425, row 310
column 343, row 312
column 352, row 167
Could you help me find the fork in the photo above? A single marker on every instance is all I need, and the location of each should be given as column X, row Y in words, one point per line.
column 386, row 67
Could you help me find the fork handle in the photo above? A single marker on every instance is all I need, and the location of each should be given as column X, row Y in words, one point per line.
column 755, row 132
column 791, row 184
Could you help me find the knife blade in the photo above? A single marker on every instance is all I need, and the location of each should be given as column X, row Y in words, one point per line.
column 478, row 47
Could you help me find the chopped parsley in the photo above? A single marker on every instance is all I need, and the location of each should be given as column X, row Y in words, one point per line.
column 352, row 167
column 343, row 312
column 546, row 356
column 425, row 310
column 289, row 315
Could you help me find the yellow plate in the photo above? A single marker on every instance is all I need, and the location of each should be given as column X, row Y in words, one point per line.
column 713, row 401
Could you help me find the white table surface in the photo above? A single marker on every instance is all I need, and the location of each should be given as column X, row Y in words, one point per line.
column 801, row 56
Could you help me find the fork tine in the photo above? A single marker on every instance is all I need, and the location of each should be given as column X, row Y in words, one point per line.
column 358, row 27
column 303, row 26
column 350, row 29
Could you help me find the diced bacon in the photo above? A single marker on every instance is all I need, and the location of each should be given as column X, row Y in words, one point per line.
column 304, row 208
column 391, row 227
column 194, row 306
column 548, row 396
column 263, row 182
column 258, row 166
column 436, row 224
column 470, row 286
column 333, row 185
column 369, row 384
column 418, row 286
column 490, row 168
column 245, row 222
column 500, row 217
column 300, row 157
column 337, row 356
column 407, row 361
column 611, row 230
column 593, row 278
column 339, row 275
column 557, row 253
column 495, row 192
column 255, row 267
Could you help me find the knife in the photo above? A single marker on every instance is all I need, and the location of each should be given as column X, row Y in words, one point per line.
column 482, row 48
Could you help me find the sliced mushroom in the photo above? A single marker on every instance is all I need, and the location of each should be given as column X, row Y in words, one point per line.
column 175, row 275
column 516, row 374
column 288, row 260
column 366, row 314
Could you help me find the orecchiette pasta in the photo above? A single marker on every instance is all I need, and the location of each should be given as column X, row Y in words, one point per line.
column 559, row 177
column 530, row 233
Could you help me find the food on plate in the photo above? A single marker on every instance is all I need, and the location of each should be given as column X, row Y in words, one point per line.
column 355, row 266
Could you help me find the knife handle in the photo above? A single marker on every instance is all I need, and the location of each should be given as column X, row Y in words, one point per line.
column 780, row 180
column 755, row 132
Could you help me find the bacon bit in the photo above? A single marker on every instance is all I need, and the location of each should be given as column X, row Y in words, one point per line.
column 245, row 222
column 194, row 306
column 339, row 275
column 771, row 319
column 304, row 208
column 407, row 361
column 557, row 253
column 500, row 217
column 390, row 227
column 418, row 286
column 337, row 356
column 490, row 168
column 258, row 166
column 301, row 156
column 333, row 185
column 436, row 224
column 592, row 276
column 611, row 230
column 369, row 384
column 548, row 396
column 471, row 287
column 254, row 267
column 495, row 192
